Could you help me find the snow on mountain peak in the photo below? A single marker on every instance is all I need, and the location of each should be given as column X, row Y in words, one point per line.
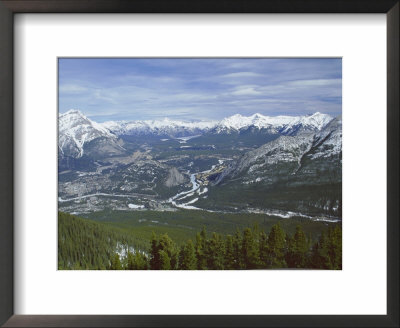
column 75, row 129
column 236, row 122
column 233, row 122
column 280, row 123
column 73, row 112
column 164, row 126
column 74, row 118
column 319, row 120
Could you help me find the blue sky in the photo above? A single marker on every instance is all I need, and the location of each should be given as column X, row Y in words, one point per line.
column 198, row 89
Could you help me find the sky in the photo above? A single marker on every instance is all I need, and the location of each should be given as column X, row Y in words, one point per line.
column 198, row 89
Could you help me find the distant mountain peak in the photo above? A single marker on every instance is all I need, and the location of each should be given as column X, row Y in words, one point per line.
column 76, row 130
column 73, row 112
column 277, row 124
column 176, row 128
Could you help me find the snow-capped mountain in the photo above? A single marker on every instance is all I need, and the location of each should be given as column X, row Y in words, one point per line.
column 76, row 131
column 286, row 125
column 328, row 142
column 78, row 135
column 325, row 144
column 165, row 127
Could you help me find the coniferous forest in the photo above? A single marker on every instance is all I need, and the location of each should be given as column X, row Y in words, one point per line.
column 88, row 245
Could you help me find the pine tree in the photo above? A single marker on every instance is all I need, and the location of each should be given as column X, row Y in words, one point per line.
column 141, row 261
column 168, row 247
column 130, row 261
column 116, row 262
column 187, row 257
column 229, row 261
column 298, row 249
column 165, row 261
column 263, row 245
column 137, row 261
column 335, row 247
column 276, row 247
column 200, row 249
column 319, row 254
column 163, row 253
column 327, row 252
column 237, row 250
column 250, row 251
column 320, row 258
column 155, row 261
column 215, row 252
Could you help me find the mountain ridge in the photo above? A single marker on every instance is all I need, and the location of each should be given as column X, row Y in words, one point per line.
column 77, row 131
column 326, row 143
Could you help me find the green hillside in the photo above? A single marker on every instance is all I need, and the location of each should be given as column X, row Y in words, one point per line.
column 85, row 244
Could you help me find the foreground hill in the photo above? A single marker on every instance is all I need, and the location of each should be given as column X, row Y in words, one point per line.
column 84, row 244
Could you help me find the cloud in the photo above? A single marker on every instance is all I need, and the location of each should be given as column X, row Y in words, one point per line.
column 240, row 75
column 199, row 88
column 315, row 83
column 245, row 91
column 72, row 89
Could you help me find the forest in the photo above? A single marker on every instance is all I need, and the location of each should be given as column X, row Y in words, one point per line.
column 88, row 245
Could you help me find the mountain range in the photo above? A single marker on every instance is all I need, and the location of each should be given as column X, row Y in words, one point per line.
column 285, row 165
column 77, row 132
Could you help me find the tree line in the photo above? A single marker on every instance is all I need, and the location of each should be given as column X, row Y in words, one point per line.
column 246, row 249
column 85, row 244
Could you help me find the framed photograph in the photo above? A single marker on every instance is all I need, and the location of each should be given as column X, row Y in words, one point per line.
column 163, row 165
column 203, row 144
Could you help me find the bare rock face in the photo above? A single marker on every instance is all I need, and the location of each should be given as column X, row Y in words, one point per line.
column 174, row 178
column 104, row 147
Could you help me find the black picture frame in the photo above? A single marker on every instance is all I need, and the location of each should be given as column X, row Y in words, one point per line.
column 10, row 7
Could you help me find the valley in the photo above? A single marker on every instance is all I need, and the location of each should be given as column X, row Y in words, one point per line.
column 281, row 170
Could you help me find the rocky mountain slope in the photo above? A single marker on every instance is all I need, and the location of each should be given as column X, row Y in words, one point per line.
column 78, row 135
column 326, row 143
column 300, row 173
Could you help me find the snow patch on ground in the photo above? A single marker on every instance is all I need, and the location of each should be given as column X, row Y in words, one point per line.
column 290, row 214
column 192, row 201
column 203, row 191
column 185, row 139
column 133, row 206
column 92, row 195
column 188, row 195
